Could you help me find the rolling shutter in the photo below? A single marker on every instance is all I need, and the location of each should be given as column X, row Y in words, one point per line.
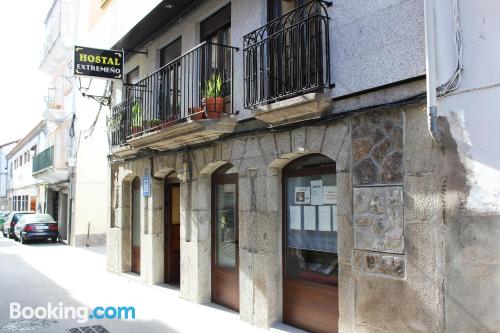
column 170, row 52
column 217, row 21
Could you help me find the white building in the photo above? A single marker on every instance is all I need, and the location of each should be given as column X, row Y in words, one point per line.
column 4, row 168
column 25, row 192
column 77, row 145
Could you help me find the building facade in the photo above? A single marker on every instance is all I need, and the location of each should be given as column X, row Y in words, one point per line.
column 24, row 192
column 73, row 163
column 4, row 173
column 275, row 157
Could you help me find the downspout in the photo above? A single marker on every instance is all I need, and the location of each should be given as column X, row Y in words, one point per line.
column 430, row 62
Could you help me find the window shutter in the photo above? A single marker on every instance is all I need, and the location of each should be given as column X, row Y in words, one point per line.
column 170, row 52
column 215, row 22
column 133, row 76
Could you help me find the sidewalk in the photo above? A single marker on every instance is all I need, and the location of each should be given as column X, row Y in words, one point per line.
column 36, row 274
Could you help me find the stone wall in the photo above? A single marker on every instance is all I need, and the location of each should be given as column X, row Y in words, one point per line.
column 388, row 246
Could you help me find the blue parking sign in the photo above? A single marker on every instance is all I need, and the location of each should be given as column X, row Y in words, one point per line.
column 146, row 186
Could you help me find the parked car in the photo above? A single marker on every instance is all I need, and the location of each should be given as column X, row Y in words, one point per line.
column 36, row 226
column 10, row 223
column 3, row 217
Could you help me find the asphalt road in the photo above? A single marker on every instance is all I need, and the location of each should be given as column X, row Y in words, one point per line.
column 37, row 274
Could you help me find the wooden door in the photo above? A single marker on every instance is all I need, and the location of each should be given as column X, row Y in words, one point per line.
column 310, row 261
column 136, row 226
column 172, row 248
column 225, row 262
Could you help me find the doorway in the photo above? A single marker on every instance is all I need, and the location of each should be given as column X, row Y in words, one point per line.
column 310, row 261
column 172, row 249
column 224, row 231
column 136, row 226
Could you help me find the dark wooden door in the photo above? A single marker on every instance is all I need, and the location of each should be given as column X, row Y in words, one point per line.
column 136, row 226
column 225, row 262
column 310, row 261
column 172, row 234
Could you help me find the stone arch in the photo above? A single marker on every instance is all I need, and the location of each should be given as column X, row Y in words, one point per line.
column 274, row 189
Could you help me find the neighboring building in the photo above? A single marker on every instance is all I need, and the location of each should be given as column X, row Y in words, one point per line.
column 274, row 157
column 25, row 192
column 4, row 172
column 73, row 164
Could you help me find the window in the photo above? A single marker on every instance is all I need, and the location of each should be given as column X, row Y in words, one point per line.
column 132, row 77
column 21, row 160
column 311, row 220
column 170, row 93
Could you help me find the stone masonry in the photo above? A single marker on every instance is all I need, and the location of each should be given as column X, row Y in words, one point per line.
column 386, row 273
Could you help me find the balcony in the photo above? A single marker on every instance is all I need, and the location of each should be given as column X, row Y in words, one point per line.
column 185, row 102
column 287, row 65
column 59, row 27
column 50, row 165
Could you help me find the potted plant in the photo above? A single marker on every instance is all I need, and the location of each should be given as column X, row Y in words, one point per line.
column 115, row 122
column 136, row 118
column 212, row 97
column 196, row 113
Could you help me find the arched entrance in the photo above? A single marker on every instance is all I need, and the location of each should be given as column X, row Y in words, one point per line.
column 136, row 225
column 172, row 250
column 224, row 240
column 310, row 261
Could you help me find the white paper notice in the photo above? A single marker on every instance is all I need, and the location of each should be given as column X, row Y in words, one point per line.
column 317, row 192
column 302, row 195
column 310, row 218
column 334, row 215
column 329, row 195
column 295, row 218
column 325, row 218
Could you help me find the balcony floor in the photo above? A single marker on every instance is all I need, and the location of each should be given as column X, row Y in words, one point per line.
column 180, row 135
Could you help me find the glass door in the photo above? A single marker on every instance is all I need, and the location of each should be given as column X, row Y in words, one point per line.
column 225, row 267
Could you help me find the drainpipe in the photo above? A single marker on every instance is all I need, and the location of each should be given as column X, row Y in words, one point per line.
column 430, row 62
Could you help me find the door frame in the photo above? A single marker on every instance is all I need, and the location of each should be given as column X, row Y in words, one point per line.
column 134, row 181
column 168, row 184
column 317, row 288
column 220, row 179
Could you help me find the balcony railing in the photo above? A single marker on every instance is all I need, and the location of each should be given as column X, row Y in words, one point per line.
column 289, row 56
column 197, row 85
column 44, row 160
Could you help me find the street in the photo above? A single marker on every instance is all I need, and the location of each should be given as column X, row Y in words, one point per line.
column 38, row 273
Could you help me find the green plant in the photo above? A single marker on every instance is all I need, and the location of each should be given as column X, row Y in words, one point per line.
column 136, row 115
column 213, row 86
column 115, row 121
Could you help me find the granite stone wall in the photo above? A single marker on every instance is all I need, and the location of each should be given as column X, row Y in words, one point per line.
column 388, row 251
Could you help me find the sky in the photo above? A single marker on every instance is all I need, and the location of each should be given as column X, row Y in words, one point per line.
column 22, row 85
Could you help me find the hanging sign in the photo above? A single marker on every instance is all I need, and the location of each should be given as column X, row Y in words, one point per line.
column 105, row 64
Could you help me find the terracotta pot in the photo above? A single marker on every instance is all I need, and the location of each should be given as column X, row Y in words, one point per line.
column 214, row 104
column 136, row 129
column 196, row 113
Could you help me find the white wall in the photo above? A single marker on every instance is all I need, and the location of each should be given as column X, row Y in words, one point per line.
column 473, row 110
column 471, row 248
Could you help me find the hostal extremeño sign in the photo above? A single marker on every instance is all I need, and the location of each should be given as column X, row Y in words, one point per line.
column 106, row 64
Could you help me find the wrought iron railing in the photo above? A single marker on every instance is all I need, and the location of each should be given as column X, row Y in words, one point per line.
column 197, row 85
column 289, row 56
column 43, row 160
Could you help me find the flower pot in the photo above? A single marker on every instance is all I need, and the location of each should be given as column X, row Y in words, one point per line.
column 196, row 113
column 214, row 105
column 136, row 130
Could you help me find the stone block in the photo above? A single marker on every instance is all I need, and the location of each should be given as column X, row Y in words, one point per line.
column 283, row 143
column 377, row 149
column 298, row 136
column 334, row 138
column 314, row 138
column 378, row 219
column 387, row 264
